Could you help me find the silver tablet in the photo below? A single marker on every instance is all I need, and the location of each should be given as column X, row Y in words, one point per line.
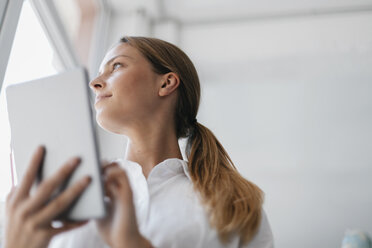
column 56, row 112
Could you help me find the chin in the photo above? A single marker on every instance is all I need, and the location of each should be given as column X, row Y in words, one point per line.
column 109, row 126
column 106, row 126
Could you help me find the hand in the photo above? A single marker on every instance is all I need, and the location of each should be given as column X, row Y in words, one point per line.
column 28, row 218
column 119, row 228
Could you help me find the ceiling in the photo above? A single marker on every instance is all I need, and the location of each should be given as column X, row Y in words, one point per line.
column 196, row 11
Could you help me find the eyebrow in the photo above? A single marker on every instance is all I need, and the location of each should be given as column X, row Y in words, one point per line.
column 112, row 59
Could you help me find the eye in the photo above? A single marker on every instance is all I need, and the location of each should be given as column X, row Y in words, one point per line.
column 116, row 65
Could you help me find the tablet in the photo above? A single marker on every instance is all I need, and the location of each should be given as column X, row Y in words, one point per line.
column 56, row 112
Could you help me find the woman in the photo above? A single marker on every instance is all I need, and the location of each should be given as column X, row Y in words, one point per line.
column 148, row 90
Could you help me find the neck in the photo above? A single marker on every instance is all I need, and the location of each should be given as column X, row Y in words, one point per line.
column 152, row 146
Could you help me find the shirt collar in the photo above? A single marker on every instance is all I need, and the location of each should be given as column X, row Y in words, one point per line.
column 165, row 169
column 169, row 168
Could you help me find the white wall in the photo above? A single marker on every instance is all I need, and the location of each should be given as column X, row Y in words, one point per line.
column 290, row 101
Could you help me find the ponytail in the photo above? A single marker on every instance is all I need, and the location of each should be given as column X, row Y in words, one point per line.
column 233, row 203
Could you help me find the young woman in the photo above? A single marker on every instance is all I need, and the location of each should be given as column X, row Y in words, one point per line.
column 148, row 90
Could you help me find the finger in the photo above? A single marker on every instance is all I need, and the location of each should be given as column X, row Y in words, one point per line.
column 113, row 174
column 108, row 169
column 60, row 203
column 112, row 187
column 67, row 226
column 107, row 166
column 119, row 187
column 117, row 175
column 48, row 186
column 11, row 193
column 118, row 183
column 30, row 173
column 108, row 193
column 104, row 162
column 9, row 199
column 65, row 222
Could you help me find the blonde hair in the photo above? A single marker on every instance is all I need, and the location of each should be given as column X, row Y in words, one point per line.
column 232, row 203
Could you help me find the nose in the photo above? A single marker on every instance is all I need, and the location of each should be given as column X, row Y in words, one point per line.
column 97, row 84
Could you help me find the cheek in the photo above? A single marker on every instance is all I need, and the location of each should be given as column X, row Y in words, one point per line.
column 134, row 97
column 136, row 90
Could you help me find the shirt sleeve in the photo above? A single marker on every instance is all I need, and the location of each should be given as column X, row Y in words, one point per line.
column 264, row 237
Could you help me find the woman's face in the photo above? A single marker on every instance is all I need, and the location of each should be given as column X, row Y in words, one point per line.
column 126, row 89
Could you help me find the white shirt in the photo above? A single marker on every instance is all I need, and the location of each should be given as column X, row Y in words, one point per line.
column 169, row 213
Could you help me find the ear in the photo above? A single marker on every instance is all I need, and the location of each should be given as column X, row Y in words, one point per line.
column 169, row 83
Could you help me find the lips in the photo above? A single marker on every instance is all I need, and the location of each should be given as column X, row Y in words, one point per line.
column 102, row 96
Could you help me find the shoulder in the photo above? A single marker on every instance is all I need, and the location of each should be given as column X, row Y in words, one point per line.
column 264, row 237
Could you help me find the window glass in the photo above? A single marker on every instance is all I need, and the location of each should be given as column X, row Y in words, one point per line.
column 31, row 57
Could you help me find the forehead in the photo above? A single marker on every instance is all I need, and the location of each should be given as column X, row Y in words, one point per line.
column 120, row 49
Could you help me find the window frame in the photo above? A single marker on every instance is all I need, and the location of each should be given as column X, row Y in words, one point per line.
column 8, row 25
column 49, row 18
column 51, row 22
